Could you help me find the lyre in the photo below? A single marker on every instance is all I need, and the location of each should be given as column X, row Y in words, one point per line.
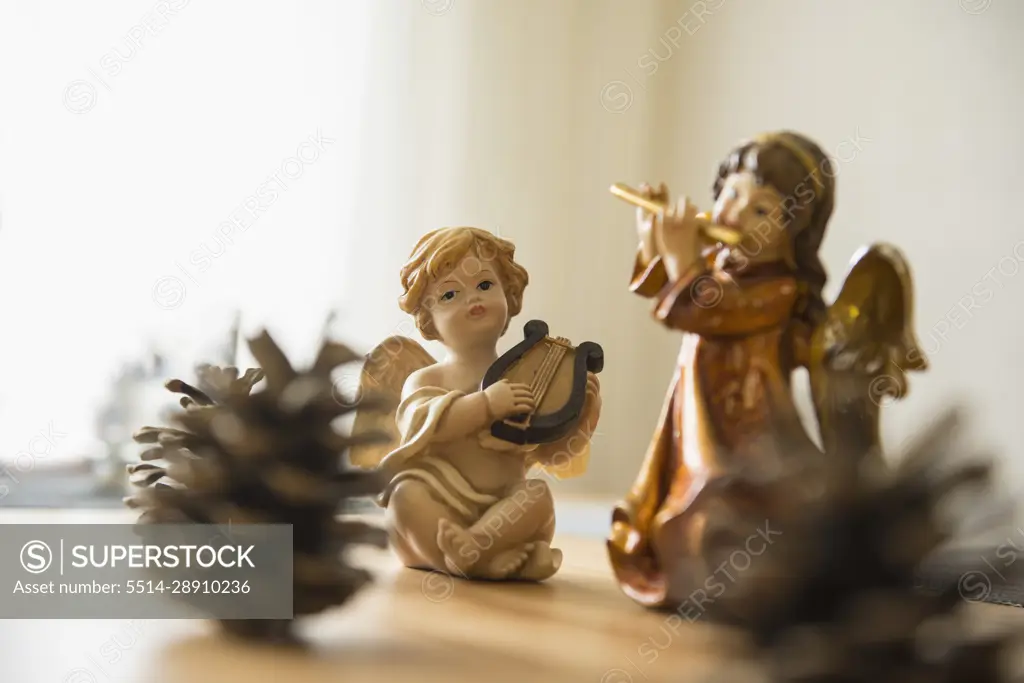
column 556, row 372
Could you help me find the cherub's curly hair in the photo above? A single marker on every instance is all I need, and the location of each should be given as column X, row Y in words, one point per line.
column 438, row 252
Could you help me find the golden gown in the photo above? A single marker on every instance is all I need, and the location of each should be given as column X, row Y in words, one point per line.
column 729, row 405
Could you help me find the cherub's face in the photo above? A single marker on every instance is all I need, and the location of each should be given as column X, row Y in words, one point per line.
column 756, row 210
column 468, row 304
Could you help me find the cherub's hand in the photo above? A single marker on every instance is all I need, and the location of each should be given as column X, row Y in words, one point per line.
column 505, row 399
column 592, row 406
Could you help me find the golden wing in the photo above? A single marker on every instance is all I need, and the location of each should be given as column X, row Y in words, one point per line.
column 861, row 354
column 382, row 377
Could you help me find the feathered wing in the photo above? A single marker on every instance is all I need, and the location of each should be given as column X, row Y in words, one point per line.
column 861, row 354
column 382, row 377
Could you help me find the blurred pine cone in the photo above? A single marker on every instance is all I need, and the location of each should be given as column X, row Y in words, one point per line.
column 270, row 457
column 835, row 598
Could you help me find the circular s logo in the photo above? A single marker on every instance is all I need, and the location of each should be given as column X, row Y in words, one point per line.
column 438, row 586
column 975, row 586
column 36, row 557
column 616, row 97
column 80, row 675
column 79, row 97
column 168, row 292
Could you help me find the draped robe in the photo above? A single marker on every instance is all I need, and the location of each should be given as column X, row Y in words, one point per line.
column 729, row 405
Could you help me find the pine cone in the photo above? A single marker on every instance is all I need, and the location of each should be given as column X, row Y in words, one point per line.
column 835, row 598
column 269, row 457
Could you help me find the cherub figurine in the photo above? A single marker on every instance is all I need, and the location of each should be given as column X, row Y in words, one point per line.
column 459, row 500
column 752, row 312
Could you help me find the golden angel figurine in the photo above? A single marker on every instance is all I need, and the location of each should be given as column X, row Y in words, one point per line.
column 459, row 499
column 744, row 286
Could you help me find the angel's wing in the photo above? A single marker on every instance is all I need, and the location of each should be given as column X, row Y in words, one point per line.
column 383, row 375
column 861, row 354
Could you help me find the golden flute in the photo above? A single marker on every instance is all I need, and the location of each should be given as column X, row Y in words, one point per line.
column 718, row 233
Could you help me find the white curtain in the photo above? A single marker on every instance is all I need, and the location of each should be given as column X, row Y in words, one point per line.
column 163, row 164
column 127, row 152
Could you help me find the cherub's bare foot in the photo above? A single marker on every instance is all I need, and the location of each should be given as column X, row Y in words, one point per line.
column 508, row 562
column 457, row 545
column 544, row 561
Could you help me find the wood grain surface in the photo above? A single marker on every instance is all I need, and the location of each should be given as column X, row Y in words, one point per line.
column 412, row 626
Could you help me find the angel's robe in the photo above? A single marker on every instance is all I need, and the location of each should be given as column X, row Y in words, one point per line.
column 729, row 397
column 418, row 455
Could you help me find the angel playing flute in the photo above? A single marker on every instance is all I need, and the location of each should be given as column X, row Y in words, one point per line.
column 458, row 499
column 744, row 286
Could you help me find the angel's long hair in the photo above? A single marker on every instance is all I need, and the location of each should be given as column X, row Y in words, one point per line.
column 440, row 251
column 800, row 171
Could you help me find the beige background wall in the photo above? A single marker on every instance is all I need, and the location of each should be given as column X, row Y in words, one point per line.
column 512, row 115
column 517, row 116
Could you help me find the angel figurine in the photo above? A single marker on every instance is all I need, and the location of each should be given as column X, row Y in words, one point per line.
column 744, row 286
column 459, row 499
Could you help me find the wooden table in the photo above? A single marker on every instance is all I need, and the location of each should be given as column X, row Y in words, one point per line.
column 412, row 626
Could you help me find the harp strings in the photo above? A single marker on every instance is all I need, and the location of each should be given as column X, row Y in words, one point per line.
column 546, row 372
